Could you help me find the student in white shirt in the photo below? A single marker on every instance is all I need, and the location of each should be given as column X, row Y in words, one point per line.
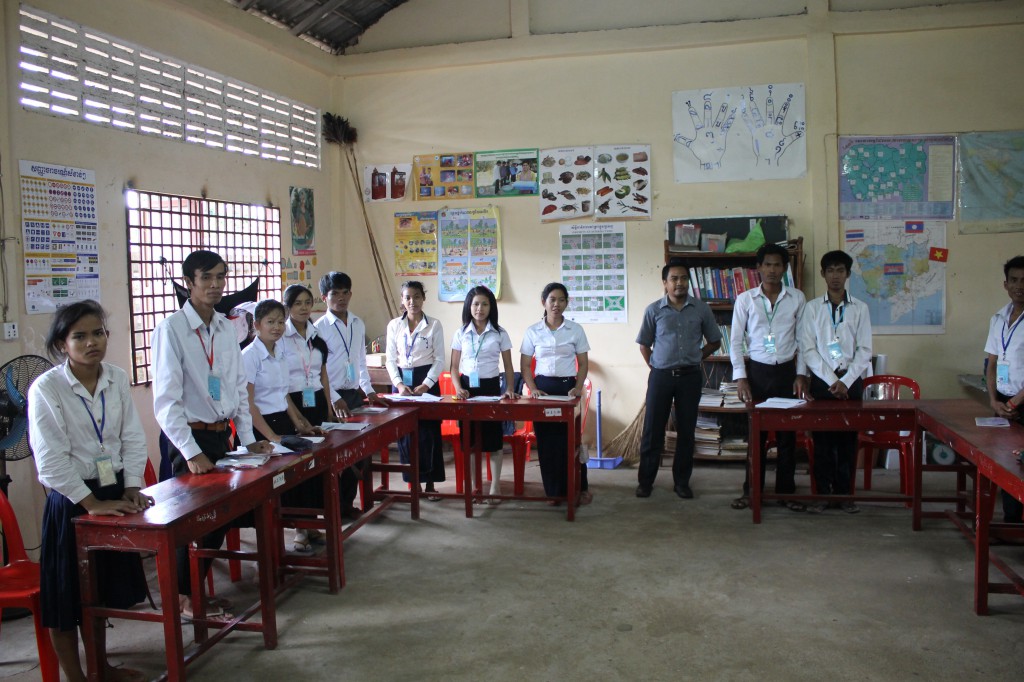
column 199, row 387
column 835, row 342
column 90, row 451
column 1004, row 372
column 767, row 319
column 477, row 348
column 415, row 360
column 560, row 348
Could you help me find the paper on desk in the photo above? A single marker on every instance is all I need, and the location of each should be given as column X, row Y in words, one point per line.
column 243, row 462
column 991, row 421
column 369, row 410
column 564, row 398
column 425, row 398
column 278, row 450
column 314, row 439
column 782, row 403
column 484, row 399
column 344, row 426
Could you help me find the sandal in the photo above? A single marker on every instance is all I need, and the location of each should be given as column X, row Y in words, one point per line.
column 796, row 506
column 214, row 614
column 740, row 503
column 303, row 547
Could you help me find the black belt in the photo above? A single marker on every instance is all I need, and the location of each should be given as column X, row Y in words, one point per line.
column 215, row 426
column 681, row 371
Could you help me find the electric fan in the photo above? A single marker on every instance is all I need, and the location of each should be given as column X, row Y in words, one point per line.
column 15, row 378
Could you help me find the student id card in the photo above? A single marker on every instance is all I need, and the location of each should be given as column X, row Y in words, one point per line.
column 407, row 377
column 1003, row 372
column 213, row 386
column 835, row 350
column 308, row 397
column 769, row 343
column 350, row 372
column 105, row 468
column 474, row 379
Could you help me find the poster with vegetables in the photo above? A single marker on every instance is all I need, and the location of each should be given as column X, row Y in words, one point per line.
column 622, row 182
column 566, row 183
column 443, row 176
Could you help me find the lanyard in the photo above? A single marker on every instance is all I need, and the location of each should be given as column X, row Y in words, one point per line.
column 842, row 316
column 771, row 315
column 410, row 343
column 309, row 356
column 479, row 345
column 1006, row 325
column 347, row 344
column 208, row 354
column 103, row 419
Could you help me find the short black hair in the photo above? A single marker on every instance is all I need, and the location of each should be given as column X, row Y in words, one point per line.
column 837, row 258
column 334, row 280
column 201, row 260
column 770, row 249
column 674, row 263
column 65, row 318
column 267, row 306
column 1015, row 263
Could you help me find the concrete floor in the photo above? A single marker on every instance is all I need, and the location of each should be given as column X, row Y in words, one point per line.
column 656, row 589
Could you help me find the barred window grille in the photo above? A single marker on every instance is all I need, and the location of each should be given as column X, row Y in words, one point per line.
column 72, row 71
column 164, row 228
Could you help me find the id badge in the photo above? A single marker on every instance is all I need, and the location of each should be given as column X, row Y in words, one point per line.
column 835, row 350
column 407, row 377
column 350, row 372
column 1002, row 372
column 308, row 397
column 474, row 379
column 105, row 467
column 769, row 344
column 213, row 385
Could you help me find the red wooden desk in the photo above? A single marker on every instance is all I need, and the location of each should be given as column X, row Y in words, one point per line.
column 524, row 409
column 826, row 415
column 990, row 450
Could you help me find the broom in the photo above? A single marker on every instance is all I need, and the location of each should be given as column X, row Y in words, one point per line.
column 627, row 443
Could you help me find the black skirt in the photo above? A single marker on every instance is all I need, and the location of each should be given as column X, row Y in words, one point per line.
column 429, row 438
column 122, row 582
column 306, row 495
column 491, row 437
column 318, row 413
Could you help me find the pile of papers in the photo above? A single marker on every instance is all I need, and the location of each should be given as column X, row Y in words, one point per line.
column 707, row 437
column 343, row 426
column 730, row 395
column 243, row 461
column 709, row 397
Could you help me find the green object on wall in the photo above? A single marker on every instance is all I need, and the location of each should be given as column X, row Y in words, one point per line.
column 752, row 242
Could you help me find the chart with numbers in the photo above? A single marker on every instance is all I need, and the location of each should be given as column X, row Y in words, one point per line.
column 61, row 235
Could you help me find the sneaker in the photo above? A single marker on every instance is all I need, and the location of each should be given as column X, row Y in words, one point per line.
column 817, row 507
column 850, row 507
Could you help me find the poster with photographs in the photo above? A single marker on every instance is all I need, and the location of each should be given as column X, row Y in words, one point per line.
column 381, row 184
column 300, row 199
column 506, row 173
column 416, row 244
column 594, row 272
column 443, row 176
column 566, row 183
column 622, row 182
column 470, row 244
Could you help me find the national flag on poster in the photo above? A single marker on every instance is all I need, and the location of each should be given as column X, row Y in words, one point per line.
column 939, row 254
column 913, row 227
column 855, row 235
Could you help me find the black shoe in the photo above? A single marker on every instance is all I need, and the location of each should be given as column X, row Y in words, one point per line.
column 643, row 491
column 684, row 492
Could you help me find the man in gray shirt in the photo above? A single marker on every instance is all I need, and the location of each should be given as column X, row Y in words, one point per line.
column 671, row 337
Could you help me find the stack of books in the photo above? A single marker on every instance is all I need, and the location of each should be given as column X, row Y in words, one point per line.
column 709, row 397
column 734, row 447
column 707, row 437
column 730, row 395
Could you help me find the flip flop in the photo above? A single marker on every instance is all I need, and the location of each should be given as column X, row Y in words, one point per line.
column 303, row 547
column 215, row 614
column 740, row 503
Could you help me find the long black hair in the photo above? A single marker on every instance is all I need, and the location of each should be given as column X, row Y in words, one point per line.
column 467, row 307
column 414, row 284
column 552, row 286
column 291, row 294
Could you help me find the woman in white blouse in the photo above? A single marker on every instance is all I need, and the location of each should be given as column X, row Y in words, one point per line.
column 560, row 349
column 415, row 359
column 90, row 451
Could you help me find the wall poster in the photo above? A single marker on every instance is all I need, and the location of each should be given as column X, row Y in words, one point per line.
column 566, row 183
column 443, row 176
column 470, row 243
column 381, row 184
column 506, row 173
column 416, row 244
column 623, row 181
column 594, row 271
column 300, row 199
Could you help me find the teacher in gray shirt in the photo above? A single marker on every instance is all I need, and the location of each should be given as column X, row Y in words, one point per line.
column 672, row 341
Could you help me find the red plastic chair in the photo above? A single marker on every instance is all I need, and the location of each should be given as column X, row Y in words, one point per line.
column 19, row 588
column 450, row 430
column 887, row 387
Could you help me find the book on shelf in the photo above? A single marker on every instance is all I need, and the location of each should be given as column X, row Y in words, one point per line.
column 723, row 284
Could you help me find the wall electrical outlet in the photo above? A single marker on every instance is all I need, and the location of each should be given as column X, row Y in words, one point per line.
column 10, row 331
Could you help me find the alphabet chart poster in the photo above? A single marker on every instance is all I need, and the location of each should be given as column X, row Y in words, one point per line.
column 61, row 235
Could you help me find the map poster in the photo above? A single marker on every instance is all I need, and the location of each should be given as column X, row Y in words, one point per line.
column 991, row 182
column 594, row 272
column 470, row 244
column 506, row 173
column 61, row 235
column 899, row 271
column 754, row 132
column 443, row 176
column 416, row 244
column 896, row 177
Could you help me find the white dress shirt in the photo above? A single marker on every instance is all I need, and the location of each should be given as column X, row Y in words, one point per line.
column 1000, row 332
column 422, row 346
column 268, row 375
column 555, row 350
column 754, row 316
column 481, row 352
column 347, row 343
column 182, row 347
column 64, row 440
column 302, row 358
column 851, row 325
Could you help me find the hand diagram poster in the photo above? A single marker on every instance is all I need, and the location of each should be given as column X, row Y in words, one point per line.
column 470, row 242
column 622, row 178
column 594, row 272
column 61, row 236
column 741, row 133
column 416, row 244
column 506, row 173
column 566, row 183
column 443, row 176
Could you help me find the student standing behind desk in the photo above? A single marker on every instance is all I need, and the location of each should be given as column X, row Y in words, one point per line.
column 198, row 388
column 835, row 342
column 1004, row 373
column 90, row 451
column 670, row 340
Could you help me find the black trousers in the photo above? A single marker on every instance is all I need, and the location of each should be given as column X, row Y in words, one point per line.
column 553, row 443
column 664, row 389
column 350, row 476
column 430, row 443
column 1013, row 511
column 835, row 452
column 774, row 381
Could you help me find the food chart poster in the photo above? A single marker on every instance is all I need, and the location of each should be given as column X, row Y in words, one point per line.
column 61, row 235
column 416, row 244
column 594, row 272
column 470, row 240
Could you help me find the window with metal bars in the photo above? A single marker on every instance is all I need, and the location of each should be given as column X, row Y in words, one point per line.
column 164, row 228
